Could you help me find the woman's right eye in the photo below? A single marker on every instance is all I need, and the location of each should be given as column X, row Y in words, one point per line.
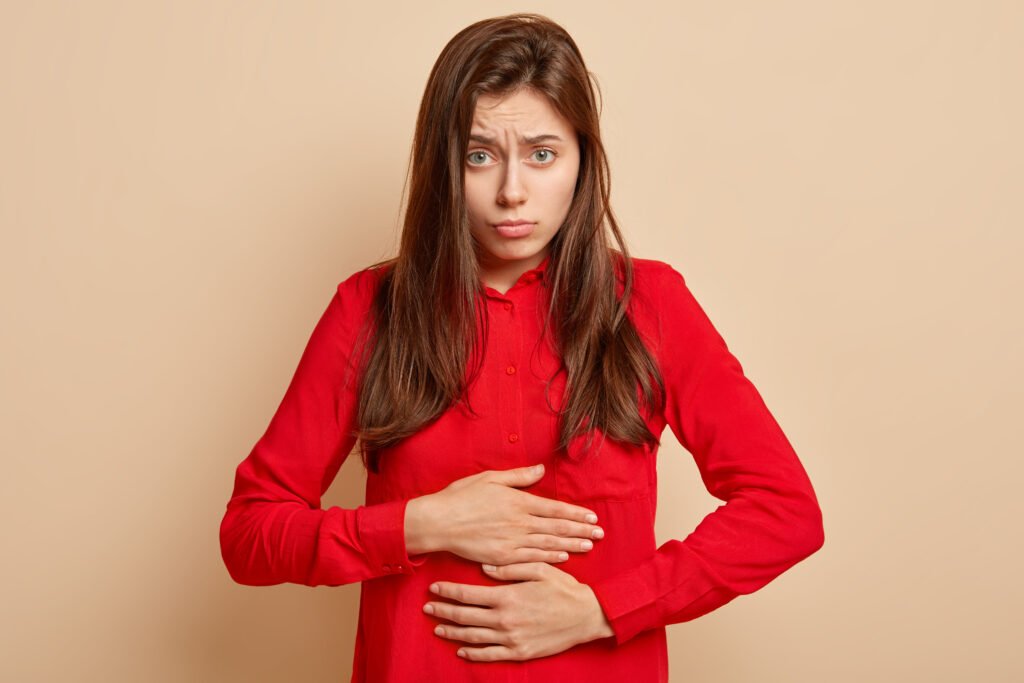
column 477, row 155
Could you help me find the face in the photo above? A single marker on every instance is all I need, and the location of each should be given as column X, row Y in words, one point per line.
column 521, row 165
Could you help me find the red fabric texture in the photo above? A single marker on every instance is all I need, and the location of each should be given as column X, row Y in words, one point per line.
column 274, row 529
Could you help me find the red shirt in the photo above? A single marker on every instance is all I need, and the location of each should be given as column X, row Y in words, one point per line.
column 275, row 531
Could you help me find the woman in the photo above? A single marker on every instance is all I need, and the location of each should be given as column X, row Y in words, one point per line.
column 508, row 333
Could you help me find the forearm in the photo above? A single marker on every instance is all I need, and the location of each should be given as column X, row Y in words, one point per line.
column 268, row 543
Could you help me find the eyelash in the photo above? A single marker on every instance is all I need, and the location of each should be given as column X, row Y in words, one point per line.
column 552, row 152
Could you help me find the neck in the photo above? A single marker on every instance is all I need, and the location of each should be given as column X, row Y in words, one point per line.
column 501, row 275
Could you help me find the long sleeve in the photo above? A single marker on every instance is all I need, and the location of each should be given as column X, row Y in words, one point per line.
column 274, row 530
column 770, row 520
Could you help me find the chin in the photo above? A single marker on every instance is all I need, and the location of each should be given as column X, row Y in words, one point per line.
column 517, row 254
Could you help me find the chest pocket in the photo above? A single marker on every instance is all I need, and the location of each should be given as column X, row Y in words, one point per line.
column 608, row 470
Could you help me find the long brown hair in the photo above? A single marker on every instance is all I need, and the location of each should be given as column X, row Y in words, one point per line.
column 428, row 307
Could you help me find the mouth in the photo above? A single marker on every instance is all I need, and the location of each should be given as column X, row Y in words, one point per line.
column 514, row 228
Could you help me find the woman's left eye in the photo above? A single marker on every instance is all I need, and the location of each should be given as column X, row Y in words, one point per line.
column 550, row 155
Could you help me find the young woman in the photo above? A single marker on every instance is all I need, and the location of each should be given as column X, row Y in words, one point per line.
column 506, row 334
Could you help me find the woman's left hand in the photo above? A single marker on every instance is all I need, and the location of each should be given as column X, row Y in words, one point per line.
column 547, row 612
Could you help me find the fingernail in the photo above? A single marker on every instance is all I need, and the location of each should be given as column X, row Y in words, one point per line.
column 563, row 556
column 489, row 567
column 537, row 469
column 428, row 608
column 433, row 588
column 462, row 653
column 592, row 518
column 598, row 533
column 587, row 545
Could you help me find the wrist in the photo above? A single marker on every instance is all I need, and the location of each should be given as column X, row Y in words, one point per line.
column 421, row 527
column 598, row 625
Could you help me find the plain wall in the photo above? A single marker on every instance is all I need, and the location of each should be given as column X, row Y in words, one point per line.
column 183, row 184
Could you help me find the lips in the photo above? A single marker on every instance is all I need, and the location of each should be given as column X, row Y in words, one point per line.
column 514, row 228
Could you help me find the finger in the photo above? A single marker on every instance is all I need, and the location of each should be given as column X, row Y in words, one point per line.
column 471, row 634
column 548, row 507
column 524, row 571
column 461, row 614
column 519, row 476
column 489, row 654
column 467, row 593
column 536, row 555
column 565, row 528
column 545, row 542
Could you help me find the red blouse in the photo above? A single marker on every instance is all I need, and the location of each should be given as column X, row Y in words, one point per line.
column 274, row 529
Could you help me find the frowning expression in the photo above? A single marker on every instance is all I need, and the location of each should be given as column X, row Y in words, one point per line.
column 521, row 165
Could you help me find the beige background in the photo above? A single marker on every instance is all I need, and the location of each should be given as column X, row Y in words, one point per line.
column 182, row 184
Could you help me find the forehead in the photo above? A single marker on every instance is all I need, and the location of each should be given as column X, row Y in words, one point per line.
column 524, row 108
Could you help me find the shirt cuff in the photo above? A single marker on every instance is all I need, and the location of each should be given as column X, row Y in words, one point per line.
column 382, row 534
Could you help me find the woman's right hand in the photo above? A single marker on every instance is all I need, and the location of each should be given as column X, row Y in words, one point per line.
column 485, row 518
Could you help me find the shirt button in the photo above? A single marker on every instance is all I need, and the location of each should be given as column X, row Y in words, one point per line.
column 513, row 437
column 387, row 567
column 510, row 370
column 398, row 567
column 508, row 306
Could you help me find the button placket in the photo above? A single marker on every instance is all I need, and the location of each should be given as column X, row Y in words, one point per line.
column 509, row 392
column 514, row 378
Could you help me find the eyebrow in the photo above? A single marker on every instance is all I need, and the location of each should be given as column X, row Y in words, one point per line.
column 532, row 140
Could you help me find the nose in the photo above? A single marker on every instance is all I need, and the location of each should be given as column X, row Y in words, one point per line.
column 512, row 191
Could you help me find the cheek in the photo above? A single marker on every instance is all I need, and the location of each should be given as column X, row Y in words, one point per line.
column 566, row 188
column 476, row 193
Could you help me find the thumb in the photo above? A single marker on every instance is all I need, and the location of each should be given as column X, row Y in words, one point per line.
column 520, row 476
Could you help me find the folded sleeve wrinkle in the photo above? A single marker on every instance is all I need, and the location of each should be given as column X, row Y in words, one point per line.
column 770, row 520
column 274, row 529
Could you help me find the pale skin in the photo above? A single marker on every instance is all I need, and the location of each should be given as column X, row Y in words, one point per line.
column 521, row 164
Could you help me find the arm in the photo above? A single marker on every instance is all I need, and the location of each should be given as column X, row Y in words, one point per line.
column 771, row 519
column 274, row 530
